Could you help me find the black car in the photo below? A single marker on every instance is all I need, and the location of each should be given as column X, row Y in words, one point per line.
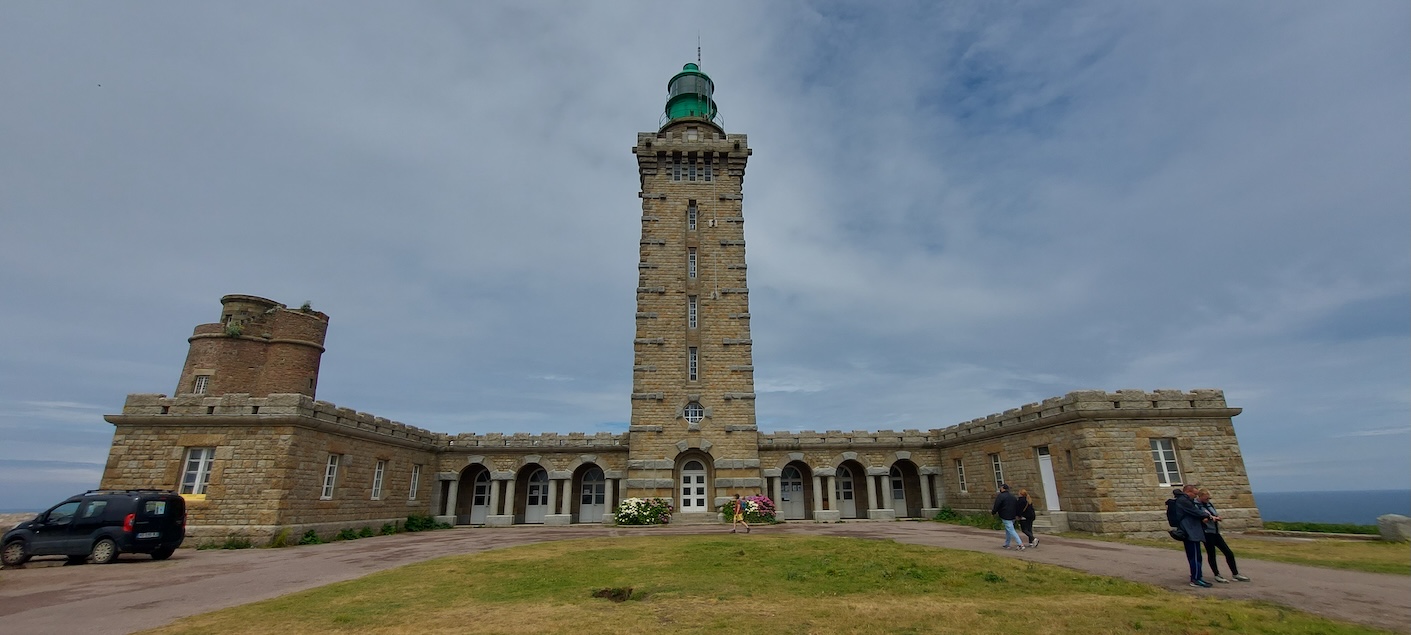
column 100, row 524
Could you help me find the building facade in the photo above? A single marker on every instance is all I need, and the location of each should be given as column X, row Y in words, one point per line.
column 245, row 440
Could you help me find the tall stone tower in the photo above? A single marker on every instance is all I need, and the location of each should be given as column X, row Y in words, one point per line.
column 693, row 436
column 260, row 347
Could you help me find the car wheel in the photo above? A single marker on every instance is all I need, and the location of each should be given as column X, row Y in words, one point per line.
column 104, row 551
column 163, row 553
column 15, row 553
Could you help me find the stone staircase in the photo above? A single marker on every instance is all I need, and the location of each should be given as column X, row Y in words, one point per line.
column 695, row 518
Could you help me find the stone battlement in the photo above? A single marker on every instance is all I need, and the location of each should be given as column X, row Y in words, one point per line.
column 545, row 440
column 1130, row 401
column 191, row 408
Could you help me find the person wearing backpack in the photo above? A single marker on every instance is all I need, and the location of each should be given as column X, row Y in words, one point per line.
column 1214, row 540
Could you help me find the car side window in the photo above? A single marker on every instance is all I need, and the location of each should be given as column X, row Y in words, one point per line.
column 94, row 509
column 62, row 514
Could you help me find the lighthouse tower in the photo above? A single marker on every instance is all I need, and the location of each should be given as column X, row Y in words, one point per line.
column 693, row 434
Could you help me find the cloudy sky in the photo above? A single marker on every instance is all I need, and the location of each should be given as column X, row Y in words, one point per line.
column 952, row 210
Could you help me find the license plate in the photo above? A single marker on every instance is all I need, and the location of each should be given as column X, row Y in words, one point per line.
column 149, row 534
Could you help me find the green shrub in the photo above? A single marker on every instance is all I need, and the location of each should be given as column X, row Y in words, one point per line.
column 366, row 532
column 983, row 521
column 389, row 529
column 1323, row 528
column 279, row 539
column 347, row 534
column 310, row 537
column 419, row 522
column 758, row 509
column 237, row 542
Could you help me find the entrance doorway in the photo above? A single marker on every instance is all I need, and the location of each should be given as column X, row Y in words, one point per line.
column 898, row 492
column 791, row 495
column 693, row 488
column 844, row 493
column 480, row 498
column 536, row 501
column 592, row 495
column 1050, row 485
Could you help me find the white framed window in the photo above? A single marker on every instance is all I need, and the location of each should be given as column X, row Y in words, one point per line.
column 1163, row 453
column 691, row 170
column 692, row 364
column 692, row 212
column 676, row 168
column 694, row 412
column 691, row 312
column 197, row 472
column 691, row 263
column 999, row 470
column 199, row 385
column 330, row 476
column 377, row 474
column 416, row 481
column 960, row 475
column 709, row 173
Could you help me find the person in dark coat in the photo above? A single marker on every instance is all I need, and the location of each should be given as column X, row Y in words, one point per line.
column 1007, row 508
column 1191, row 520
column 1026, row 517
column 1213, row 539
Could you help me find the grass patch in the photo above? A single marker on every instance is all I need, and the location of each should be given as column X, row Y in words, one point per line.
column 1373, row 556
column 768, row 584
column 1323, row 528
column 981, row 520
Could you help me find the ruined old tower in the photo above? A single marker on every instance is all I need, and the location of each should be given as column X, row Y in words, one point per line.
column 693, row 434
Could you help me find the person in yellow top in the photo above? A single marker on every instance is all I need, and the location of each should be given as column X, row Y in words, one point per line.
column 739, row 515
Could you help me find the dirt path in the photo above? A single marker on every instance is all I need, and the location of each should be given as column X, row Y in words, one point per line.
column 136, row 593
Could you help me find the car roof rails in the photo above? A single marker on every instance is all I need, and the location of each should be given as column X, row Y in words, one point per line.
column 128, row 491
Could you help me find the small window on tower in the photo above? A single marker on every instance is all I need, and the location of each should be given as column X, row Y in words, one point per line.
column 709, row 174
column 694, row 412
column 692, row 169
column 676, row 168
column 692, row 311
column 199, row 387
column 692, row 365
column 693, row 134
column 691, row 263
column 691, row 213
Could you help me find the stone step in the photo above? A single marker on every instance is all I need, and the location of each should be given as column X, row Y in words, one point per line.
column 695, row 518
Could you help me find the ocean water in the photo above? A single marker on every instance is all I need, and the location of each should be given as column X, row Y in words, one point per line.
column 1359, row 508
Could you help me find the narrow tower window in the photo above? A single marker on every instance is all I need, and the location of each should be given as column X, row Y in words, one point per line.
column 200, row 386
column 691, row 263
column 691, row 311
column 692, row 169
column 676, row 168
column 692, row 365
column 691, row 213
column 709, row 173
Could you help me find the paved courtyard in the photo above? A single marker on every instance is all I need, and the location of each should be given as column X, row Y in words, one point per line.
column 137, row 593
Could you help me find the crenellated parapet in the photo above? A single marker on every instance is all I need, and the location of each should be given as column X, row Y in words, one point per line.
column 1095, row 404
column 1089, row 404
column 545, row 441
column 239, row 408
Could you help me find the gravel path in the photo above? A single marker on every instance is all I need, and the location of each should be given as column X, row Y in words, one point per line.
column 137, row 593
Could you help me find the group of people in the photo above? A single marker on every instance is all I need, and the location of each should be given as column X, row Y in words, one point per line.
column 1190, row 510
column 1011, row 508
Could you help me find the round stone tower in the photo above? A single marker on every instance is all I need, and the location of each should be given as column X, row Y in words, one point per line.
column 260, row 347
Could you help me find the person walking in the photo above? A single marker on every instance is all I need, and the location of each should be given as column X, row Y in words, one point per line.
column 1191, row 520
column 1213, row 539
column 1006, row 506
column 739, row 515
column 1026, row 517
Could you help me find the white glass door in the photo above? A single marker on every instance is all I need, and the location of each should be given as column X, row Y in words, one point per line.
column 536, row 503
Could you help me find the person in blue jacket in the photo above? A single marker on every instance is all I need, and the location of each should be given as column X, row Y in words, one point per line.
column 1191, row 519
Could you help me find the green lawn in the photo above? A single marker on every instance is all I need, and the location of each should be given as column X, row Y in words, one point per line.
column 745, row 584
